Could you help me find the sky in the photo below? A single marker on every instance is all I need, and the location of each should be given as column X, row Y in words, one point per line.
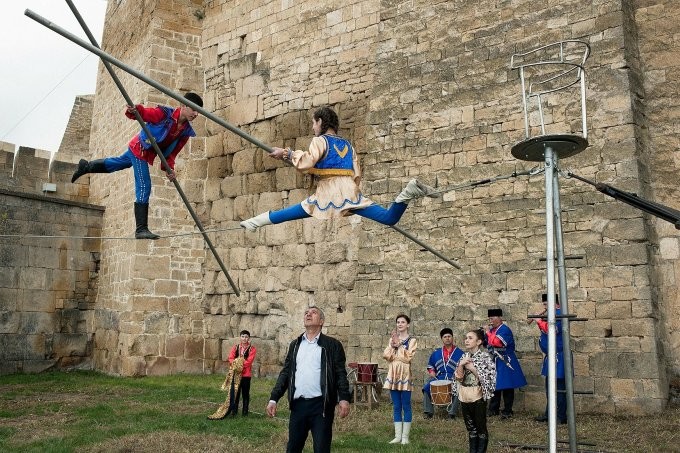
column 41, row 72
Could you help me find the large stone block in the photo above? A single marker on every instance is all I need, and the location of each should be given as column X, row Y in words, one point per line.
column 10, row 322
column 67, row 345
column 159, row 366
column 644, row 327
column 174, row 346
column 222, row 210
column 156, row 323
column 144, row 345
column 39, row 323
column 34, row 278
column 132, row 366
column 151, row 266
column 19, row 347
column 149, row 303
column 614, row 310
column 637, row 366
column 193, row 348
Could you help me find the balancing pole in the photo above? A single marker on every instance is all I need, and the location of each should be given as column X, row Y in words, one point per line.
column 106, row 57
column 158, row 151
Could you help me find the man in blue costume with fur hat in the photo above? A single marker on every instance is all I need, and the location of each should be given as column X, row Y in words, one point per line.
column 501, row 344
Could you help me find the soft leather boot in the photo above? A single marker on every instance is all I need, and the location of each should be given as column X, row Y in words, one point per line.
column 474, row 442
column 397, row 433
column 85, row 167
column 246, row 405
column 256, row 222
column 483, row 443
column 406, row 431
column 415, row 189
column 142, row 221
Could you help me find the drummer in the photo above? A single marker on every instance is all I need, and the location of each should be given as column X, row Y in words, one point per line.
column 441, row 366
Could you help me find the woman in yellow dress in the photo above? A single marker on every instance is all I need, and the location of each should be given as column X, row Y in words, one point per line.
column 399, row 353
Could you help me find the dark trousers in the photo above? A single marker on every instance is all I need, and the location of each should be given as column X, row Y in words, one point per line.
column 305, row 416
column 243, row 389
column 561, row 399
column 508, row 398
column 474, row 415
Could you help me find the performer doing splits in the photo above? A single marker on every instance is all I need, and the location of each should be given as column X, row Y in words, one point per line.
column 333, row 160
column 171, row 128
column 476, row 376
column 399, row 354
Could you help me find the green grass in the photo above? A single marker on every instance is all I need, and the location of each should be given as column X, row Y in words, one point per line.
column 92, row 412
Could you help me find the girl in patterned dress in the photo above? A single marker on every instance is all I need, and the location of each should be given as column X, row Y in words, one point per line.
column 399, row 353
column 476, row 376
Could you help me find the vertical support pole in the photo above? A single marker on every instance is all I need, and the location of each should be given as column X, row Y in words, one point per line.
column 524, row 102
column 566, row 333
column 550, row 289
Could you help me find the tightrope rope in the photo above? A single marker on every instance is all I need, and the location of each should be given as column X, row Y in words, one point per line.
column 515, row 174
column 123, row 238
column 531, row 172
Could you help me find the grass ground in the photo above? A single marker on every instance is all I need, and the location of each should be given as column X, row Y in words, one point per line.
column 91, row 412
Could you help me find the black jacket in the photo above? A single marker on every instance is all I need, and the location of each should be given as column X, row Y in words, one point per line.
column 334, row 385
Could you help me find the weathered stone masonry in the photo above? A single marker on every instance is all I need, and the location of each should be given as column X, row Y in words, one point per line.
column 423, row 90
column 47, row 286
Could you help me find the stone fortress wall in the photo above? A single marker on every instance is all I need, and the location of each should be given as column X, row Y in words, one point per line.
column 48, row 285
column 423, row 89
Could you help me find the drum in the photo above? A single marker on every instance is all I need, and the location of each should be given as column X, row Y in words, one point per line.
column 440, row 392
column 367, row 372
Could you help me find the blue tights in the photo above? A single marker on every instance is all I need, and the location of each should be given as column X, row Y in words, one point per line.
column 140, row 168
column 401, row 400
column 141, row 171
column 375, row 212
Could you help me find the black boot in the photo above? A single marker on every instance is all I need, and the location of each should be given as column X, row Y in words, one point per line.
column 142, row 220
column 474, row 442
column 84, row 167
column 483, row 443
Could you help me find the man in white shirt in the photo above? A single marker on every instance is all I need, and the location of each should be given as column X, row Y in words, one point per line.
column 314, row 387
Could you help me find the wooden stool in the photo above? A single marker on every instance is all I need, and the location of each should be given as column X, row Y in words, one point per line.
column 366, row 399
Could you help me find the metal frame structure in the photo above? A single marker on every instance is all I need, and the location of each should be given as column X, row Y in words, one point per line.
column 555, row 74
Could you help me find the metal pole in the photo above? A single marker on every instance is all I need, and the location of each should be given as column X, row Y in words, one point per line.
column 424, row 245
column 566, row 335
column 179, row 98
column 158, row 151
column 550, row 261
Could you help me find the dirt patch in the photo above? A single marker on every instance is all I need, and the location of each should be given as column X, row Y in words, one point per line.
column 169, row 442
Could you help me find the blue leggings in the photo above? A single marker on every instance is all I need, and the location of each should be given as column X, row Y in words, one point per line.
column 141, row 171
column 375, row 212
column 401, row 400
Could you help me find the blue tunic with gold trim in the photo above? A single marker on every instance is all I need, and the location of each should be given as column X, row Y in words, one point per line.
column 333, row 160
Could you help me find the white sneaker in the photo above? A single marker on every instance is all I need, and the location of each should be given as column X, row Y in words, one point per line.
column 256, row 222
column 415, row 189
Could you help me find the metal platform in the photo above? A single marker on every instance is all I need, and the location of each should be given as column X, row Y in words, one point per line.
column 563, row 145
